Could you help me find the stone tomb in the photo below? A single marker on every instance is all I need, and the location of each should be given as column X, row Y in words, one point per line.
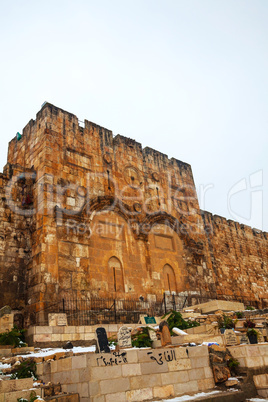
column 243, row 338
column 230, row 337
column 6, row 319
column 102, row 340
column 55, row 319
column 124, row 337
column 165, row 333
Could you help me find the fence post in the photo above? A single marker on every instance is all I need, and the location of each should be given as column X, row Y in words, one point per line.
column 165, row 303
column 174, row 302
column 115, row 312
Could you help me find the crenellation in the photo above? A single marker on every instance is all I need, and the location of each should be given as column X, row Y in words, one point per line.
column 107, row 218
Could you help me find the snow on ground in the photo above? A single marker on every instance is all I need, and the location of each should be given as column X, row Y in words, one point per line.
column 258, row 400
column 4, row 366
column 189, row 398
column 52, row 351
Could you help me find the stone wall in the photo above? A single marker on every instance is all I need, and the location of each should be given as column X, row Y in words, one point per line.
column 239, row 256
column 132, row 375
column 92, row 215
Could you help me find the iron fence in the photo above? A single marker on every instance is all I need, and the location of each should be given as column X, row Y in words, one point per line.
column 108, row 311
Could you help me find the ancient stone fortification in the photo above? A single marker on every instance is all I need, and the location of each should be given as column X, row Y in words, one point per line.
column 92, row 215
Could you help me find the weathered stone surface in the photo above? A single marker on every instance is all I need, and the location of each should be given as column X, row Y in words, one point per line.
column 221, row 374
column 84, row 214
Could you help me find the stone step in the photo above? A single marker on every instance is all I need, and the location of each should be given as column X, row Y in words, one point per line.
column 15, row 395
column 63, row 398
column 228, row 396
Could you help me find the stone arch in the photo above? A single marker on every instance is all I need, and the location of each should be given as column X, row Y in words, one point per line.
column 115, row 275
column 169, row 277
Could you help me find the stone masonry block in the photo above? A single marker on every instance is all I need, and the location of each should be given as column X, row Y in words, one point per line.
column 14, row 395
column 69, row 329
column 66, row 337
column 89, row 329
column 255, row 361
column 181, row 364
column 206, row 384
column 153, row 367
column 116, row 385
column 39, row 369
column 237, row 351
column 113, row 328
column 65, row 364
column 83, row 389
column 191, row 386
column 56, row 337
column 54, row 366
column 94, row 388
column 103, row 373
column 131, row 370
column 197, row 374
column 163, row 392
column 208, row 372
column 139, row 395
column 132, row 356
column 138, row 382
column 99, row 398
column 89, row 336
column 42, row 338
column 175, row 377
column 58, row 330
column 79, row 361
column 252, row 350
column 43, row 330
column 84, row 374
column 118, row 397
column 15, row 385
column 80, row 329
column 198, row 351
column 181, row 353
column 200, row 362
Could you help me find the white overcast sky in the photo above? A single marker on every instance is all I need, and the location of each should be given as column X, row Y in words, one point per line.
column 186, row 77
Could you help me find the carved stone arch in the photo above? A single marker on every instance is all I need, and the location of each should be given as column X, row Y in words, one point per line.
column 115, row 275
column 104, row 203
column 170, row 283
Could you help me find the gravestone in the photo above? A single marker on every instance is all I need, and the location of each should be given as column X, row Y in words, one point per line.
column 152, row 334
column 124, row 337
column 230, row 337
column 102, row 340
column 260, row 335
column 6, row 319
column 62, row 319
column 149, row 320
column 165, row 333
column 5, row 310
column 55, row 319
column 243, row 338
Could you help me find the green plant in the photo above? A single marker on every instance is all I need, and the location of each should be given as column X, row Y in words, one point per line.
column 225, row 322
column 252, row 332
column 15, row 337
column 249, row 324
column 33, row 397
column 250, row 308
column 112, row 341
column 239, row 314
column 142, row 338
column 233, row 365
column 175, row 319
column 26, row 369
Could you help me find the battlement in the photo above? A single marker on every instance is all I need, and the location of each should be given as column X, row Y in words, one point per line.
column 91, row 215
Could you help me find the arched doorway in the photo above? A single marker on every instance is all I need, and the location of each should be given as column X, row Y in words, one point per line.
column 169, row 279
column 115, row 275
